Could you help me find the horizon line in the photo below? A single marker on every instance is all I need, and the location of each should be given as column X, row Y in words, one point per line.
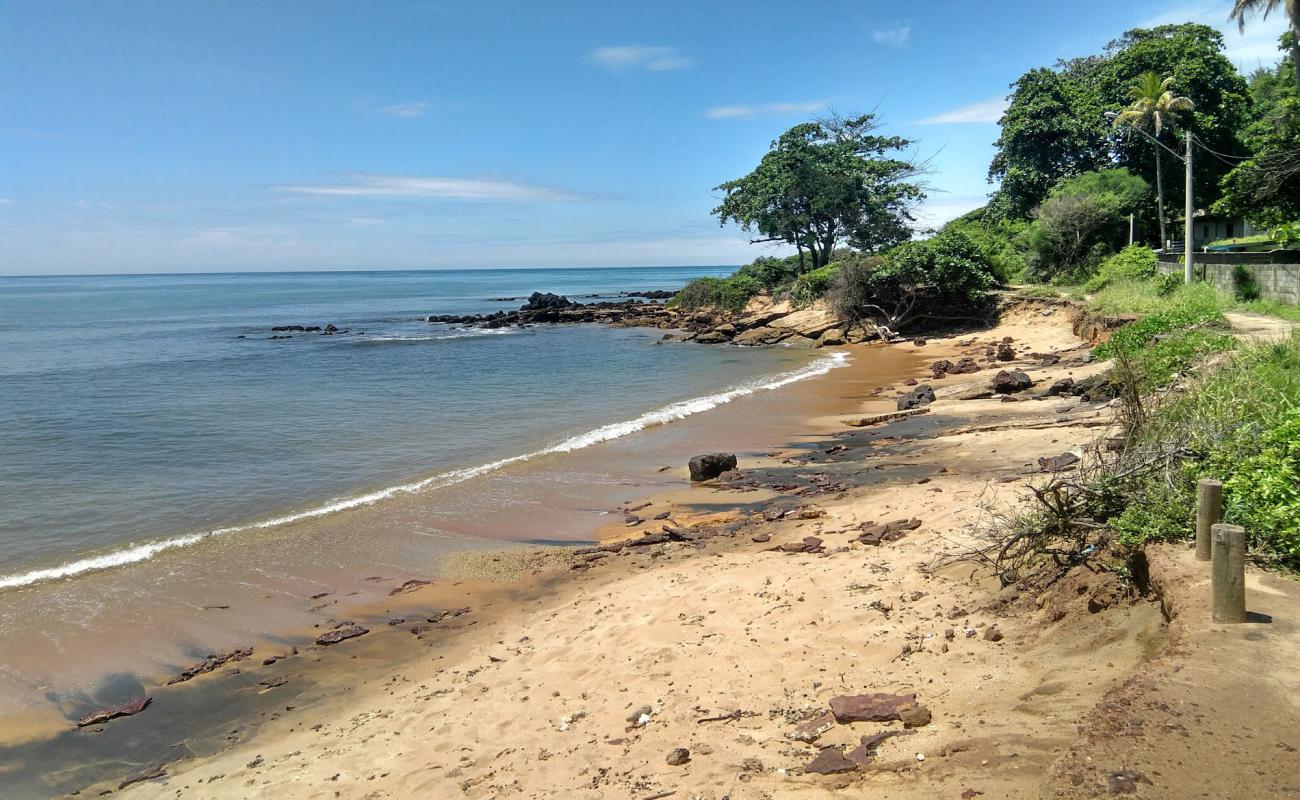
column 316, row 271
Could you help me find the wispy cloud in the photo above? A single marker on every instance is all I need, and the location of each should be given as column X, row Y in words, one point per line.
column 410, row 110
column 985, row 111
column 764, row 109
column 1250, row 48
column 447, row 188
column 628, row 57
column 6, row 201
column 896, row 36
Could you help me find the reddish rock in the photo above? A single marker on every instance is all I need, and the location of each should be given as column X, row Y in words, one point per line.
column 211, row 663
column 125, row 710
column 341, row 634
column 830, row 761
column 876, row 707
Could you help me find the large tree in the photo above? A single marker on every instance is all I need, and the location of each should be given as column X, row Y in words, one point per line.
column 1193, row 56
column 1242, row 9
column 1265, row 188
column 1153, row 110
column 1046, row 136
column 826, row 182
column 1054, row 128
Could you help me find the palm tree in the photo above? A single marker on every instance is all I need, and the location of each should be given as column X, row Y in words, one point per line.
column 1154, row 102
column 1244, row 8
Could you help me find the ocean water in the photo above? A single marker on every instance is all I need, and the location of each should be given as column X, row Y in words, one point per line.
column 148, row 414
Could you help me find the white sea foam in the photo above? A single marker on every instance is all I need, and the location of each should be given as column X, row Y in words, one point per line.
column 662, row 416
column 460, row 333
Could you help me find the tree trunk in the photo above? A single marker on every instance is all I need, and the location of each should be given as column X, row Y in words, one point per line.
column 1160, row 198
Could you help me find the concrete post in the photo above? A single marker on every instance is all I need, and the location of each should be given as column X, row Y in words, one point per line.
column 1188, row 210
column 1209, row 510
column 1228, row 574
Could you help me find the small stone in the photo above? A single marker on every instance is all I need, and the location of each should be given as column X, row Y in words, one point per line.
column 992, row 634
column 678, row 757
column 916, row 717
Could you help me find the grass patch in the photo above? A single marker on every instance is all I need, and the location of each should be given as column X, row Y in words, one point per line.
column 1239, row 423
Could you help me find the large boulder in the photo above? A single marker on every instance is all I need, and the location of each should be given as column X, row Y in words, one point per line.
column 711, row 465
column 1011, row 381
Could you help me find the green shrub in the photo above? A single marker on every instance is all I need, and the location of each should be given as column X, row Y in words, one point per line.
column 1244, row 285
column 1000, row 242
column 730, row 294
column 1241, row 425
column 943, row 277
column 1133, row 263
column 736, row 291
column 811, row 286
column 1168, row 283
column 1133, row 337
column 1262, row 491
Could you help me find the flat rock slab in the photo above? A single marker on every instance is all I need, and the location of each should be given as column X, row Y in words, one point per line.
column 125, row 710
column 876, row 707
column 336, row 636
column 830, row 761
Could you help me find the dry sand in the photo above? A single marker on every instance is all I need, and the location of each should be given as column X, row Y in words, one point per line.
column 732, row 646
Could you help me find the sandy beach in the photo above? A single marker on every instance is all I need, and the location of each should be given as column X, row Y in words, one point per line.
column 716, row 663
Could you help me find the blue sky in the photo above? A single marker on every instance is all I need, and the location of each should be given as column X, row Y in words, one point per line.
column 202, row 136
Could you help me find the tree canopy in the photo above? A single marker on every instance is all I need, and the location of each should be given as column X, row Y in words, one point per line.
column 824, row 183
column 1265, row 188
column 1053, row 127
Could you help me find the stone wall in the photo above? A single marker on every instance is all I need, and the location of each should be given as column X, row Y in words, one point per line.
column 1277, row 282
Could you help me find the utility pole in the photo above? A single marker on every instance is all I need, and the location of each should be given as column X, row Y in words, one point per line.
column 1187, row 233
column 1130, row 230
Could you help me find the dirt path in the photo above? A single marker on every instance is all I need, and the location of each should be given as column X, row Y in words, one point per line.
column 1216, row 715
column 1258, row 327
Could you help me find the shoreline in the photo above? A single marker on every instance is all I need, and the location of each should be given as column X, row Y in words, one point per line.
column 686, row 507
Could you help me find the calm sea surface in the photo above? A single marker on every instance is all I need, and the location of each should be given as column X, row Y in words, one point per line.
column 150, row 413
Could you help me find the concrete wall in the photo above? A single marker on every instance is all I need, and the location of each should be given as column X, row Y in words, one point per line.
column 1278, row 282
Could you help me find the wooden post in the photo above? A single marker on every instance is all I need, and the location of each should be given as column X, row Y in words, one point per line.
column 1209, row 510
column 1228, row 573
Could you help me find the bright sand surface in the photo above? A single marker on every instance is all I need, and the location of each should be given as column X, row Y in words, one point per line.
column 529, row 694
column 730, row 645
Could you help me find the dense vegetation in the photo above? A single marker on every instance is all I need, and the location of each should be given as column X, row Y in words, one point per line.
column 1053, row 205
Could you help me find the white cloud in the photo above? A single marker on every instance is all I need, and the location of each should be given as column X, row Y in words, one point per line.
column 411, row 110
column 6, row 201
column 651, row 59
column 1248, row 49
column 983, row 111
column 896, row 36
column 371, row 185
column 741, row 111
